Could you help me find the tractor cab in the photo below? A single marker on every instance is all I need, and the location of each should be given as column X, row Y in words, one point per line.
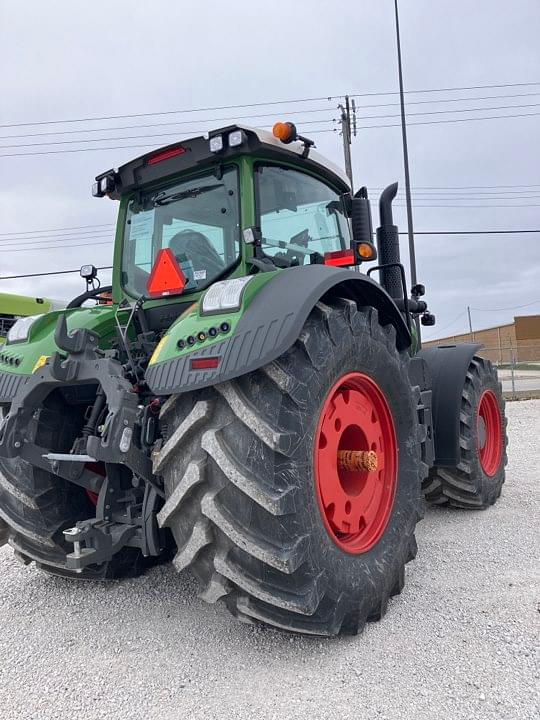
column 230, row 204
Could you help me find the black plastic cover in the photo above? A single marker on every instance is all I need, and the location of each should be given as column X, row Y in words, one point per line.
column 272, row 323
column 448, row 366
column 196, row 153
column 9, row 385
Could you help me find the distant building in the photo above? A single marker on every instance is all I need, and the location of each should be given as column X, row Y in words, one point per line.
column 518, row 341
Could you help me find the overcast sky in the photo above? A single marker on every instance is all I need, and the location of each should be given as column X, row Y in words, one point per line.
column 65, row 60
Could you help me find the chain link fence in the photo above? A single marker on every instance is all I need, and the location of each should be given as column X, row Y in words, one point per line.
column 518, row 367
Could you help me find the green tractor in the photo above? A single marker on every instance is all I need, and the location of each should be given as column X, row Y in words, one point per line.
column 14, row 307
column 251, row 403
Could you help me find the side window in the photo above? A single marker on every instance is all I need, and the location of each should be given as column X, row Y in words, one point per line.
column 298, row 215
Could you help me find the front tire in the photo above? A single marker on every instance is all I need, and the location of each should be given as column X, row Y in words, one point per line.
column 243, row 501
column 36, row 506
column 476, row 482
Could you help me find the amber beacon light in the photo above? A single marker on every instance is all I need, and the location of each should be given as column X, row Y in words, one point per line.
column 285, row 131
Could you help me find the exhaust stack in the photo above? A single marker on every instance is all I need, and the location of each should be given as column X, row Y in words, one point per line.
column 388, row 244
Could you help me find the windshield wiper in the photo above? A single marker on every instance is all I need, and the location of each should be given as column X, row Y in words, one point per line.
column 164, row 199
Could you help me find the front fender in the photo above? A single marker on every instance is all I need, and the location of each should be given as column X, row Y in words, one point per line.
column 271, row 324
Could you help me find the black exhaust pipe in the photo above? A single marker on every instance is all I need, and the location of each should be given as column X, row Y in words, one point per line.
column 388, row 244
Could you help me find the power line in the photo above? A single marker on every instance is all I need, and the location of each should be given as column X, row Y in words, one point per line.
column 86, row 235
column 446, row 112
column 114, row 147
column 464, row 207
column 460, row 193
column 440, row 330
column 465, row 187
column 262, row 104
column 314, row 131
column 110, row 241
column 130, row 137
column 63, row 247
column 77, row 227
column 262, row 115
column 514, row 307
column 467, row 198
column 180, row 122
column 417, row 232
column 485, row 194
column 471, row 232
column 454, row 89
column 438, row 122
column 303, row 122
column 36, row 243
column 84, row 227
column 450, row 100
column 72, row 234
column 327, row 98
column 54, row 272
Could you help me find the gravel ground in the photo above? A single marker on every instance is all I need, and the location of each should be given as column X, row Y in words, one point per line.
column 459, row 642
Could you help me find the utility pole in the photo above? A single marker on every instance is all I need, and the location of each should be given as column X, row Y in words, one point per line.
column 346, row 132
column 470, row 323
column 410, row 231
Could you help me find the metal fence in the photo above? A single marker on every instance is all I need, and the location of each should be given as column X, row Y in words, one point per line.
column 520, row 377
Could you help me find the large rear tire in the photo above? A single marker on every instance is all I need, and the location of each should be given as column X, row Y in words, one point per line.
column 246, row 496
column 476, row 482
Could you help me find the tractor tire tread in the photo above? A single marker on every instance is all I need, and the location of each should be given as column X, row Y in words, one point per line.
column 464, row 486
column 235, row 525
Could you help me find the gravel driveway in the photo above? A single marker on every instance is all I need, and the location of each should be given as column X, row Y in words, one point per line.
column 458, row 643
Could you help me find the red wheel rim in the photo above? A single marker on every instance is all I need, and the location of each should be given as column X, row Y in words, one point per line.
column 355, row 504
column 489, row 432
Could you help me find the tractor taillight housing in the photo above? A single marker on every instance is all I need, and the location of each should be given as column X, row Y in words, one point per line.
column 366, row 251
column 208, row 363
column 166, row 155
column 339, row 258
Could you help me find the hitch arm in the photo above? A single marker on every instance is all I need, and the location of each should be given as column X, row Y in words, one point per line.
column 95, row 541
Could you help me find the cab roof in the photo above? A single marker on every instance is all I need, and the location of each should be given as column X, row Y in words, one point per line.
column 193, row 152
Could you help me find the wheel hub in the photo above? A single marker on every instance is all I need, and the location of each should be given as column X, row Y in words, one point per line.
column 355, row 463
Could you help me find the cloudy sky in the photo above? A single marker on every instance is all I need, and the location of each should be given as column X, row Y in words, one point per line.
column 65, row 61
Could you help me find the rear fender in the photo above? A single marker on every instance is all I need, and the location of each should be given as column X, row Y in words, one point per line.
column 271, row 324
column 447, row 365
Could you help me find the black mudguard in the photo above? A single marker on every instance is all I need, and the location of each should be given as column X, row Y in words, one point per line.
column 447, row 365
column 272, row 323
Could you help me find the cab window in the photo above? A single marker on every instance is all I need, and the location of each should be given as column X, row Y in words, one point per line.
column 298, row 215
column 197, row 218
